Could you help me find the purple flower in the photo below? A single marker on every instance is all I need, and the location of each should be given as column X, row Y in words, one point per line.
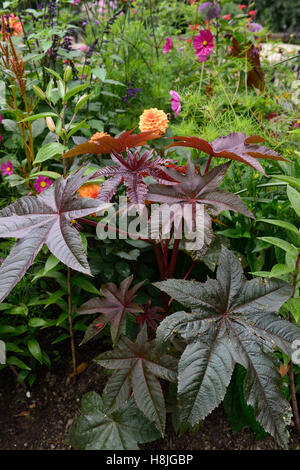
column 168, row 45
column 210, row 10
column 255, row 50
column 203, row 44
column 7, row 168
column 42, row 183
column 175, row 102
column 254, row 27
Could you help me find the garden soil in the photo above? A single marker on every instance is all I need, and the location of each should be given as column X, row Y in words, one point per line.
column 38, row 418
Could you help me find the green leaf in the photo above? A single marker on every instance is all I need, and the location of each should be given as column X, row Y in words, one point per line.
column 284, row 245
column 51, row 262
column 294, row 198
column 60, row 338
column 39, row 116
column 280, row 223
column 53, row 298
column 38, row 127
column 49, row 151
column 279, row 270
column 100, row 73
column 35, row 349
column 53, row 73
column 101, row 429
column 288, row 179
column 15, row 361
column 82, row 100
column 294, row 306
column 36, row 322
column 50, row 174
column 84, row 284
column 10, row 125
column 75, row 90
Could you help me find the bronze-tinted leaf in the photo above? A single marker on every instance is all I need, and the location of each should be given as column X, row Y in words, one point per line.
column 235, row 146
column 107, row 144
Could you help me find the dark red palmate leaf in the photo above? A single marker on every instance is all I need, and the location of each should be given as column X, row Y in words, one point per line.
column 137, row 367
column 150, row 316
column 107, row 144
column 235, row 146
column 113, row 306
column 131, row 171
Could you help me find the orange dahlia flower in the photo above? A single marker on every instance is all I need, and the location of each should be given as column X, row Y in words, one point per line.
column 89, row 190
column 98, row 136
column 15, row 24
column 153, row 119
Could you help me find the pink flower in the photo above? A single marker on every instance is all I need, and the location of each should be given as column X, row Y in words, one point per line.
column 227, row 17
column 175, row 102
column 42, row 183
column 241, row 7
column 168, row 45
column 203, row 44
column 7, row 168
column 76, row 2
column 297, row 124
column 84, row 48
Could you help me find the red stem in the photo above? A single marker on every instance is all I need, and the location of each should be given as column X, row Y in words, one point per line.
column 207, row 165
column 173, row 258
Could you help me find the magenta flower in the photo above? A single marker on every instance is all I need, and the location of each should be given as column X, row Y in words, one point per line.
column 297, row 124
column 175, row 102
column 42, row 183
column 203, row 44
column 168, row 45
column 7, row 168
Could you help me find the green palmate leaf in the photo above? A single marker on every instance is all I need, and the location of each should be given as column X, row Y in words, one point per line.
column 99, row 428
column 45, row 219
column 137, row 366
column 231, row 321
column 48, row 151
column 294, row 197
